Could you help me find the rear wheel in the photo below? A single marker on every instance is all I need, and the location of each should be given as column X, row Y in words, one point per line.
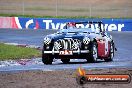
column 65, row 61
column 111, row 54
column 93, row 53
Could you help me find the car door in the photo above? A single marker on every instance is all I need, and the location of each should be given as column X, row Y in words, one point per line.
column 103, row 46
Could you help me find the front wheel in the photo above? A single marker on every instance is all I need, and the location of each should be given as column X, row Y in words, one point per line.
column 46, row 59
column 93, row 53
column 65, row 61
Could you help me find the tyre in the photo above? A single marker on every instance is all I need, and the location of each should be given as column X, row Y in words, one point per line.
column 111, row 54
column 47, row 59
column 65, row 61
column 93, row 53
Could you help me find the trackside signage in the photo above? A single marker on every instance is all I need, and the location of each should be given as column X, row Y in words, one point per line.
column 56, row 23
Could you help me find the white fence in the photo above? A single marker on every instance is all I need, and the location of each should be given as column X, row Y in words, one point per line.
column 90, row 8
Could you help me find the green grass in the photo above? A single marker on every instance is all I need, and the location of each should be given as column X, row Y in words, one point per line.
column 15, row 52
column 37, row 16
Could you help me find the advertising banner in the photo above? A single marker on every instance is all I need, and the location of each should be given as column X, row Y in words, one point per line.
column 59, row 23
column 55, row 23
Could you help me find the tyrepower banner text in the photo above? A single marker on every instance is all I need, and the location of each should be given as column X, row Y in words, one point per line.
column 57, row 23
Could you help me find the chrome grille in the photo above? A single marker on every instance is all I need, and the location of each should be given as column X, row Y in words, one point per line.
column 67, row 44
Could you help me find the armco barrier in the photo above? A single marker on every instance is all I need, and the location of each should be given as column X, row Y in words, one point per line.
column 56, row 23
column 5, row 22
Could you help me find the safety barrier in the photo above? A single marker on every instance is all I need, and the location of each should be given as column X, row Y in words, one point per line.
column 57, row 23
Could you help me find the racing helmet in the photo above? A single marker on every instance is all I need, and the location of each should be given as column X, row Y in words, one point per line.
column 71, row 25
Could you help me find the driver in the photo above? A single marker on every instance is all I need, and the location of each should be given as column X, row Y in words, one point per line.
column 71, row 25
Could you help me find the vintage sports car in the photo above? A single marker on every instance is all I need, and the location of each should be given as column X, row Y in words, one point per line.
column 78, row 43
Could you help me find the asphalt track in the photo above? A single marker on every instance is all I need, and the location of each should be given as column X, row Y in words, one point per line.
column 122, row 59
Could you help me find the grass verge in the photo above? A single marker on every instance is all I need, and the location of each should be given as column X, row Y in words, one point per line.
column 40, row 16
column 37, row 16
column 13, row 52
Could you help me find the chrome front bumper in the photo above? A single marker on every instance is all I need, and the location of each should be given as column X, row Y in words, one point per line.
column 57, row 52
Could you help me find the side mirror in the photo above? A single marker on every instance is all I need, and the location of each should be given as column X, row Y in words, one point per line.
column 115, row 49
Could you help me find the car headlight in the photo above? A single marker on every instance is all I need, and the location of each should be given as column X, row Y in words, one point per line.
column 47, row 40
column 86, row 40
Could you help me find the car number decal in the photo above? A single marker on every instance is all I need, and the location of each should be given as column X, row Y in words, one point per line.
column 66, row 52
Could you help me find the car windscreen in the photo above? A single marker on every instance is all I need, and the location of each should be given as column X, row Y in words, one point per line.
column 82, row 30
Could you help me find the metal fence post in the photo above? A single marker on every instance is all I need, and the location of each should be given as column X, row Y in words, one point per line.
column 90, row 10
column 56, row 7
column 23, row 8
